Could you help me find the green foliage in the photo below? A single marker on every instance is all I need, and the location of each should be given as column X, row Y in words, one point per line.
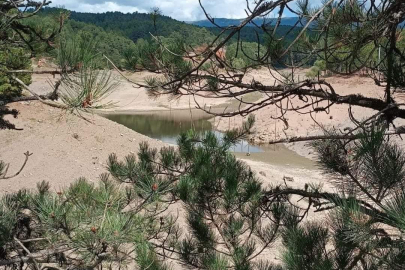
column 88, row 220
column 75, row 36
column 306, row 248
column 313, row 72
column 13, row 59
column 44, row 32
column 244, row 55
column 83, row 85
column 131, row 56
column 368, row 170
column 258, row 35
column 238, row 63
column 317, row 70
column 87, row 88
column 333, row 155
column 321, row 64
column 231, row 218
column 21, row 38
column 76, row 51
column 146, row 259
column 108, row 42
column 8, row 214
column 145, row 50
column 221, row 196
column 140, row 25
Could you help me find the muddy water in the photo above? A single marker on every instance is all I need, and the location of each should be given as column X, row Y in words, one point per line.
column 167, row 125
column 281, row 156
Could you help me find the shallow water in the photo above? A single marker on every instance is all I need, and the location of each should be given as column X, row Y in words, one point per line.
column 167, row 125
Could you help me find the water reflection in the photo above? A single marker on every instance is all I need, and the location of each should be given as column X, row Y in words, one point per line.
column 166, row 126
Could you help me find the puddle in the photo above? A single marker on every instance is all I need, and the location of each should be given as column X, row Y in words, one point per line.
column 167, row 125
column 280, row 155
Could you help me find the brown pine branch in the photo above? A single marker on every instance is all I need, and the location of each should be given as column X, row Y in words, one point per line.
column 41, row 255
column 37, row 266
column 44, row 101
column 332, row 198
column 23, row 71
column 398, row 131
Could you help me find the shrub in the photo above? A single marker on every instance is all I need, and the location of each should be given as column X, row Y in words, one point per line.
column 13, row 59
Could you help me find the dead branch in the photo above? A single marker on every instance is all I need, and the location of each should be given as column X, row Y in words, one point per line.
column 37, row 267
column 333, row 198
column 52, row 72
column 27, row 155
column 45, row 254
column 400, row 130
column 47, row 102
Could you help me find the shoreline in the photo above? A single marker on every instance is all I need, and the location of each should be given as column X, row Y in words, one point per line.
column 66, row 147
column 133, row 101
column 182, row 114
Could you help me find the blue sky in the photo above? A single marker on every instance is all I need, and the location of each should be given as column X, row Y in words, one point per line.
column 183, row 10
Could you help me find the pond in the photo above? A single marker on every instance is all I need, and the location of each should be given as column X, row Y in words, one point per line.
column 167, row 125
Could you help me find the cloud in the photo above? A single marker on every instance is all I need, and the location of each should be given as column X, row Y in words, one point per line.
column 184, row 10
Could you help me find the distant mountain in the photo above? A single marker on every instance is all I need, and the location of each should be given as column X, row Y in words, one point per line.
column 223, row 22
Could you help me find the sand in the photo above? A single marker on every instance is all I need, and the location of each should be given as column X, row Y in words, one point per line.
column 268, row 129
column 60, row 158
column 128, row 98
column 66, row 146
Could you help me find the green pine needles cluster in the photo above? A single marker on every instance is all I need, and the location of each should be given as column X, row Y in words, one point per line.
column 82, row 226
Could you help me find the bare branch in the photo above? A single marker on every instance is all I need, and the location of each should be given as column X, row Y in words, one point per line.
column 27, row 155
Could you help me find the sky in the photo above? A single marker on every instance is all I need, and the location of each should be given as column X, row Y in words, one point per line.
column 183, row 10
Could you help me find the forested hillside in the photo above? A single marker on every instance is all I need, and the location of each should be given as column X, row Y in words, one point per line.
column 140, row 25
column 110, row 43
column 127, row 38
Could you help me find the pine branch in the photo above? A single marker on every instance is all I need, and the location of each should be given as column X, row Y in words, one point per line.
column 400, row 130
column 52, row 72
column 42, row 255
column 333, row 198
column 37, row 267
column 47, row 102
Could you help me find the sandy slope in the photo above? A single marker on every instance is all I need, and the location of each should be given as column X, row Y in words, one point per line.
column 48, row 132
column 127, row 97
column 58, row 157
